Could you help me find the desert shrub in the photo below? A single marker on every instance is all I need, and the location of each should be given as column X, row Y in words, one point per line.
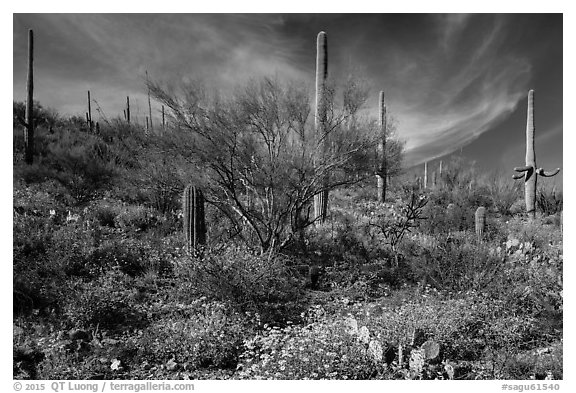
column 107, row 302
column 161, row 180
column 535, row 231
column 88, row 251
column 135, row 218
column 260, row 283
column 469, row 327
column 81, row 162
column 63, row 361
column 452, row 210
column 36, row 283
column 72, row 250
column 323, row 348
column 539, row 363
column 43, row 117
column 38, row 172
column 452, row 262
column 345, row 238
column 206, row 335
column 533, row 280
column 104, row 212
column 548, row 201
column 503, row 193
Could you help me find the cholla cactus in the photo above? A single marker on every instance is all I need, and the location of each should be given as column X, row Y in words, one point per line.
column 480, row 218
column 194, row 219
column 416, row 362
column 530, row 172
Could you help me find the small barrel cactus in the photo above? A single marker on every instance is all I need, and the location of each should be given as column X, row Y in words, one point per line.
column 194, row 219
column 431, row 349
column 480, row 218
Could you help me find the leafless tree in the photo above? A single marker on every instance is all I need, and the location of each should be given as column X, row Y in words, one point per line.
column 258, row 157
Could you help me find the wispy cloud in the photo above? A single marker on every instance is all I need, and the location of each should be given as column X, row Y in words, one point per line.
column 448, row 78
column 113, row 52
column 460, row 95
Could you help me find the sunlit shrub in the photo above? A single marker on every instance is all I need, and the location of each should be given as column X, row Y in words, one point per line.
column 261, row 283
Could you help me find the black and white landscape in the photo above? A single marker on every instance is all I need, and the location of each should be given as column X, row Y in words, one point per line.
column 298, row 196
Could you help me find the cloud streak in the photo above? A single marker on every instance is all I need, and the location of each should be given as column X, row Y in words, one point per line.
column 459, row 95
column 448, row 78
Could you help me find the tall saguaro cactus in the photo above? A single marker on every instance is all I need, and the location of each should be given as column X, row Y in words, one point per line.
column 89, row 119
column 382, row 169
column 194, row 219
column 321, row 199
column 128, row 109
column 29, row 120
column 530, row 172
column 149, row 103
column 426, row 174
column 480, row 220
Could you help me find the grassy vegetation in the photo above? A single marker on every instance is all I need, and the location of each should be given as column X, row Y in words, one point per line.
column 103, row 287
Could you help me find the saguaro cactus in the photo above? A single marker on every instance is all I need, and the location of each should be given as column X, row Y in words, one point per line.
column 149, row 103
column 194, row 219
column 530, row 172
column 89, row 119
column 426, row 174
column 382, row 170
column 480, row 219
column 321, row 199
column 29, row 120
column 128, row 109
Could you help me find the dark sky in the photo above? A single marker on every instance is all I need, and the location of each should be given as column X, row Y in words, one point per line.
column 451, row 80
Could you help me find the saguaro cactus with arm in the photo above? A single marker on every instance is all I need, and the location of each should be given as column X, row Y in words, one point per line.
column 529, row 171
column 382, row 170
column 321, row 199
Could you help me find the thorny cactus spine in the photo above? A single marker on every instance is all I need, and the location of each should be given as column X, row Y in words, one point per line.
column 381, row 174
column 321, row 199
column 480, row 219
column 530, row 172
column 29, row 120
column 194, row 219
